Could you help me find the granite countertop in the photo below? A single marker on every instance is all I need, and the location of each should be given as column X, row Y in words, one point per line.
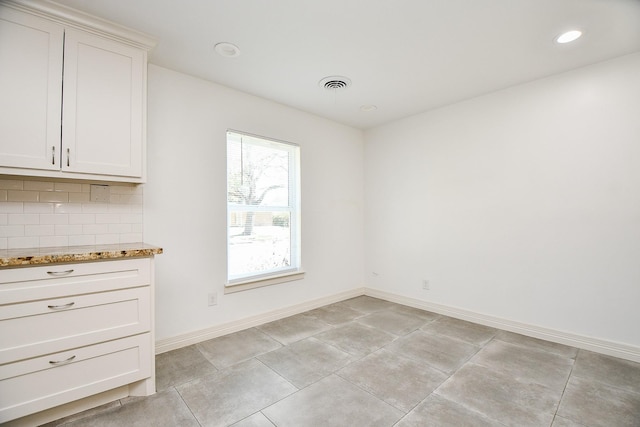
column 39, row 256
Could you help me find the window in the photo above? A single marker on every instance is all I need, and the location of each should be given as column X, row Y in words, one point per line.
column 263, row 210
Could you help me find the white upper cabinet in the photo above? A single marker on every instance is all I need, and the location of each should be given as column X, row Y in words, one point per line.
column 30, row 90
column 103, row 106
column 73, row 101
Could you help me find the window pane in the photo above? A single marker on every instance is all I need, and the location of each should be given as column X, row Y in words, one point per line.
column 257, row 174
column 259, row 242
column 263, row 203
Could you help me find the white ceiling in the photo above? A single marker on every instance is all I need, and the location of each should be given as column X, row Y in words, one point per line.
column 404, row 56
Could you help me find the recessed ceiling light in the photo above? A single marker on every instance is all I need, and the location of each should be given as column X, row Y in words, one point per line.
column 367, row 108
column 228, row 50
column 569, row 36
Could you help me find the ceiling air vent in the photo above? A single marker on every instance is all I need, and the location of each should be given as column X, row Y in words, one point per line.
column 335, row 83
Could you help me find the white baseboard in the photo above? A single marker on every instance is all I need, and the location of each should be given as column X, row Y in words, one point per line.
column 623, row 351
column 190, row 338
column 611, row 348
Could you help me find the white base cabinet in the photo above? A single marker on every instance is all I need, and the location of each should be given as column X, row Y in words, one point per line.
column 70, row 331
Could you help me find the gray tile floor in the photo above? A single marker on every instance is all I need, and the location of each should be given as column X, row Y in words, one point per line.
column 368, row 362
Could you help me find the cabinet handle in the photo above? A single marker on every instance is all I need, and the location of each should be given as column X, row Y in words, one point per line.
column 67, row 157
column 60, row 307
column 61, row 362
column 53, row 155
column 60, row 273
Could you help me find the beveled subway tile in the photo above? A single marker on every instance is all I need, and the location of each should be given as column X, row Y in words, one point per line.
column 38, row 185
column 501, row 397
column 54, row 197
column 356, row 339
column 597, row 404
column 366, row 304
column 233, row 394
column 24, row 218
column 68, row 187
column 335, row 314
column 22, row 242
column 534, row 343
column 330, row 402
column 162, row 409
column 11, row 184
column 23, row 196
column 619, row 373
column 437, row 411
column 307, row 361
column 461, row 329
column 525, row 364
column 439, row 351
column 293, row 328
column 398, row 380
column 39, row 208
column 392, row 321
column 237, row 347
column 180, row 366
column 11, row 207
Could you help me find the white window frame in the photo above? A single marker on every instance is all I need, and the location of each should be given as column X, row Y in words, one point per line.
column 280, row 275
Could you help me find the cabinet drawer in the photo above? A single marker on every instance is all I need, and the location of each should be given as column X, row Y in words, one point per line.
column 58, row 280
column 36, row 384
column 50, row 325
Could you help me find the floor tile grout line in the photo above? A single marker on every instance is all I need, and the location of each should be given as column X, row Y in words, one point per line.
column 300, row 314
column 604, row 383
column 281, row 376
column 469, row 409
column 495, row 338
column 457, row 338
column 188, row 407
column 405, row 413
column 449, row 376
column 566, row 384
column 470, row 361
column 414, row 406
column 352, row 359
column 269, row 419
column 534, row 348
column 398, row 355
column 336, row 372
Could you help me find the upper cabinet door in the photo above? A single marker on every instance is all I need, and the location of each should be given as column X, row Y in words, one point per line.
column 103, row 109
column 30, row 90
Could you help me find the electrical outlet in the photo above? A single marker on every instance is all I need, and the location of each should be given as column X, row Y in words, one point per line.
column 425, row 285
column 213, row 299
column 100, row 193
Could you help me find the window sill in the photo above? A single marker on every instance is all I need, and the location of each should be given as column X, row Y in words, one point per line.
column 260, row 282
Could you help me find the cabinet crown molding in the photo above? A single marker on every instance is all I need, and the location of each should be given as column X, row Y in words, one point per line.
column 76, row 19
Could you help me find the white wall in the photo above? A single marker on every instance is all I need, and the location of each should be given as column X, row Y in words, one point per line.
column 185, row 201
column 523, row 204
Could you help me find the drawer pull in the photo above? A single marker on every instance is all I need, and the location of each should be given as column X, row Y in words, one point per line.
column 60, row 307
column 60, row 273
column 62, row 362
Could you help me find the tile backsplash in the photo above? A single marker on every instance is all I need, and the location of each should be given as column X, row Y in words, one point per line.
column 47, row 213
